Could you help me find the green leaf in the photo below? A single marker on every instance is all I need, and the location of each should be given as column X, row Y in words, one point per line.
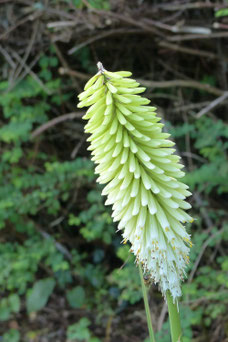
column 79, row 331
column 221, row 13
column 12, row 335
column 76, row 297
column 39, row 295
column 4, row 311
column 14, row 302
column 9, row 305
column 78, row 3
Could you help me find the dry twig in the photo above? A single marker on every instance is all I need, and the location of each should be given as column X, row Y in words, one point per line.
column 202, row 250
column 212, row 105
column 190, row 51
column 54, row 122
column 28, row 71
column 182, row 83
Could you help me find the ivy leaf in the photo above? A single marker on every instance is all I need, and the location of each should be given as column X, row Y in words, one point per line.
column 39, row 295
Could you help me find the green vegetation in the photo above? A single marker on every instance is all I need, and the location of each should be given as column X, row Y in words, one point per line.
column 61, row 259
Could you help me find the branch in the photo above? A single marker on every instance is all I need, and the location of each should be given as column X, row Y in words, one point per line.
column 104, row 35
column 190, row 51
column 73, row 73
column 28, row 71
column 198, row 36
column 54, row 122
column 203, row 248
column 212, row 105
column 182, row 83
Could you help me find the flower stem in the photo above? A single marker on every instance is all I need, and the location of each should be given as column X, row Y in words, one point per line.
column 174, row 319
column 147, row 308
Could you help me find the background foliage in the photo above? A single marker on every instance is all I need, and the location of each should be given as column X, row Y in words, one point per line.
column 64, row 275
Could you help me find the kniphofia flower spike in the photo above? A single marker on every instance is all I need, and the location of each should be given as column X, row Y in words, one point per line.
column 135, row 158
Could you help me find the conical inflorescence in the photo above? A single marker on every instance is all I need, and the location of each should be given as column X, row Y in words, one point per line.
column 135, row 158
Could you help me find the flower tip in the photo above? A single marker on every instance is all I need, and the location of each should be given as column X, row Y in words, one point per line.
column 100, row 67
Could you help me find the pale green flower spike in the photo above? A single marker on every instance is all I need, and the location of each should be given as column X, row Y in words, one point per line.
column 136, row 160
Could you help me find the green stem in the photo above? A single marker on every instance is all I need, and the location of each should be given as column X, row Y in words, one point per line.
column 174, row 319
column 147, row 308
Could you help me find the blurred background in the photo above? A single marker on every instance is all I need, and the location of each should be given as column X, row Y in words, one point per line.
column 64, row 276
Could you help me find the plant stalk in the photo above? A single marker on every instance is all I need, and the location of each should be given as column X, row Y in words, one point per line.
column 146, row 304
column 174, row 319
